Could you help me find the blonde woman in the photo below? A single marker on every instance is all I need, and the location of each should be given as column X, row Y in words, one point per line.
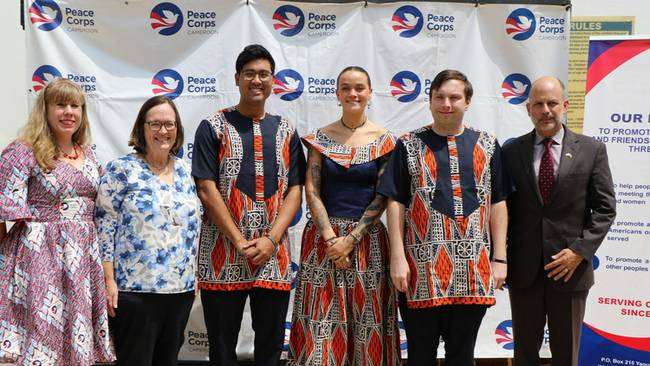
column 52, row 304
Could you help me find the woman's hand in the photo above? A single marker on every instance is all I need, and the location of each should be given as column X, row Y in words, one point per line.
column 111, row 297
column 339, row 251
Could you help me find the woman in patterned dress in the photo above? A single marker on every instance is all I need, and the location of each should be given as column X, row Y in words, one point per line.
column 344, row 310
column 52, row 308
column 147, row 221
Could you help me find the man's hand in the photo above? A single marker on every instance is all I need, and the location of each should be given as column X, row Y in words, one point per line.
column 499, row 272
column 260, row 249
column 564, row 264
column 245, row 247
column 400, row 273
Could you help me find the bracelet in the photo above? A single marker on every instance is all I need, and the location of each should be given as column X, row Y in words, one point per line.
column 275, row 243
column 502, row 261
column 356, row 238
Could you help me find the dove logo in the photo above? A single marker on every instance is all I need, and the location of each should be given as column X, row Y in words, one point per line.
column 288, row 85
column 167, row 82
column 45, row 15
column 407, row 21
column 43, row 75
column 288, row 20
column 503, row 334
column 515, row 88
column 166, row 18
column 405, row 86
column 521, row 24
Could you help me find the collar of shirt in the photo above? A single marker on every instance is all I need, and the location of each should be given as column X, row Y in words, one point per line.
column 557, row 138
column 556, row 148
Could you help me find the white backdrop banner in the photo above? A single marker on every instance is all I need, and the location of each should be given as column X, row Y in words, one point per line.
column 617, row 322
column 123, row 52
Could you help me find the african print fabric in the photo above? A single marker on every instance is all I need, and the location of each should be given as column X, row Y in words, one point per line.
column 345, row 317
column 52, row 301
column 450, row 183
column 254, row 175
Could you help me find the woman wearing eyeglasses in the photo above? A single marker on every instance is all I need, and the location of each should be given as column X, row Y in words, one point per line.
column 147, row 220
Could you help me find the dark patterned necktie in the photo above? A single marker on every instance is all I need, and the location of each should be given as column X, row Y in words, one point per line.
column 546, row 177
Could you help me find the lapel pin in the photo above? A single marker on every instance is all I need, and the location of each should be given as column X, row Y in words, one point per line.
column 568, row 155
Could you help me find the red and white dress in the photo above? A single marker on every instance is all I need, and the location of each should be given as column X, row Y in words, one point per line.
column 52, row 300
column 345, row 317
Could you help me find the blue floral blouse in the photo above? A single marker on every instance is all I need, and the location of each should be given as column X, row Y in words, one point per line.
column 147, row 228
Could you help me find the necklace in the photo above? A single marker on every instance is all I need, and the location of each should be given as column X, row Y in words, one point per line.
column 73, row 155
column 353, row 128
column 160, row 169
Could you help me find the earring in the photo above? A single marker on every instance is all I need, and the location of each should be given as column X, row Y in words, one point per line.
column 368, row 105
column 339, row 103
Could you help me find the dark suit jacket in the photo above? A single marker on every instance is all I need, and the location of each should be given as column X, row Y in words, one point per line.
column 581, row 210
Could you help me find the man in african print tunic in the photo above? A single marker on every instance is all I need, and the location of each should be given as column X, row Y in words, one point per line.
column 249, row 169
column 447, row 222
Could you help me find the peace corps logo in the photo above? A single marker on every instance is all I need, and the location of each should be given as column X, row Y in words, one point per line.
column 521, row 24
column 288, row 85
column 45, row 15
column 43, row 76
column 503, row 334
column 407, row 21
column 405, row 86
column 166, row 18
column 289, row 20
column 167, row 82
column 515, row 88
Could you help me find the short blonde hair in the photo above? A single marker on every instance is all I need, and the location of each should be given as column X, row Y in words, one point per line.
column 37, row 132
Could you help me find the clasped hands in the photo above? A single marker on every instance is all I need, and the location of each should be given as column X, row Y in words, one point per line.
column 338, row 250
column 257, row 251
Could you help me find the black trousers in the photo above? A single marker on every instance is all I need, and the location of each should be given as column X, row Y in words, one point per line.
column 531, row 308
column 148, row 328
column 223, row 311
column 457, row 325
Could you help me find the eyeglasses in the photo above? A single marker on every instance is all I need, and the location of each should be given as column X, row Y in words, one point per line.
column 249, row 75
column 157, row 125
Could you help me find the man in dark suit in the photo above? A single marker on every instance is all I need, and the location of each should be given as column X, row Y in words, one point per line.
column 559, row 215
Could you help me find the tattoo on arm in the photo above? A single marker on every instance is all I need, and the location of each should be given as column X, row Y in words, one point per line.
column 376, row 207
column 316, row 207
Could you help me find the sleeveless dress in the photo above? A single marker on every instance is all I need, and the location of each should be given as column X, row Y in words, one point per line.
column 52, row 299
column 345, row 317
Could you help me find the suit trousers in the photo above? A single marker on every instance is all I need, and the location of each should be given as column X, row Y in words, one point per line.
column 223, row 312
column 532, row 307
column 148, row 327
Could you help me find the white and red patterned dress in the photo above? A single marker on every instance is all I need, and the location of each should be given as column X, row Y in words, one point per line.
column 52, row 301
column 345, row 317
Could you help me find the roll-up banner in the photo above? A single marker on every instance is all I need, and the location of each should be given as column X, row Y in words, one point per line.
column 616, row 328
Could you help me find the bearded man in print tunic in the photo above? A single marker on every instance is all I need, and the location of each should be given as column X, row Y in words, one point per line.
column 447, row 222
column 249, row 169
